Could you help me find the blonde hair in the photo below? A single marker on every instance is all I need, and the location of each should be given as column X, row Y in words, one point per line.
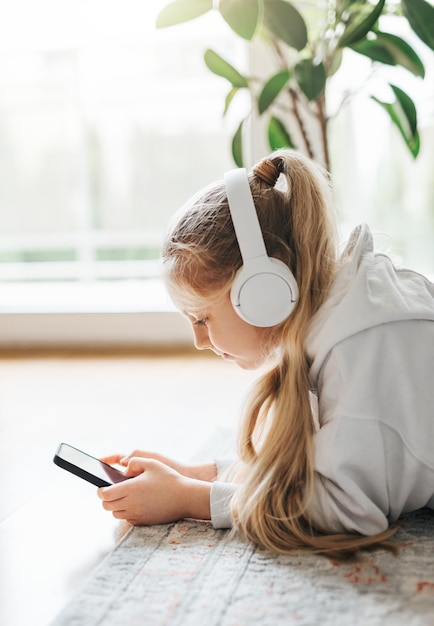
column 201, row 257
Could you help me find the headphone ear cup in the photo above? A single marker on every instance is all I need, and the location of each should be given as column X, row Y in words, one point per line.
column 264, row 292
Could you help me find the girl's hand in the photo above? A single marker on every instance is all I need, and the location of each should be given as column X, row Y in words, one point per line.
column 156, row 494
column 206, row 471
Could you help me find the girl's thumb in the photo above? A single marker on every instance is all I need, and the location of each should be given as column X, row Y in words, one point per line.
column 135, row 466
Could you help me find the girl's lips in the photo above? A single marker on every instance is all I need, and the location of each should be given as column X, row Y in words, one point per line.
column 224, row 355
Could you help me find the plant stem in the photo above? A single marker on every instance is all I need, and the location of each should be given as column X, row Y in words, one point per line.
column 295, row 101
column 322, row 117
column 295, row 107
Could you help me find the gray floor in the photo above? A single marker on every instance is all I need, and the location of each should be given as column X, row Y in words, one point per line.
column 53, row 531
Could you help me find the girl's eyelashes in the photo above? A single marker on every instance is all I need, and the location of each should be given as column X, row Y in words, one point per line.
column 194, row 320
column 200, row 322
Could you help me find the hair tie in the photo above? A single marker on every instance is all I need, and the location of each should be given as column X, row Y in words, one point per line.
column 268, row 171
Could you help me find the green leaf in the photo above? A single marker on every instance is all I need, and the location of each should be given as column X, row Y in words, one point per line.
column 391, row 50
column 403, row 54
column 420, row 15
column 219, row 66
column 402, row 112
column 271, row 90
column 182, row 11
column 407, row 106
column 285, row 22
column 336, row 62
column 375, row 50
column 278, row 136
column 361, row 21
column 241, row 15
column 311, row 78
column 229, row 99
column 237, row 145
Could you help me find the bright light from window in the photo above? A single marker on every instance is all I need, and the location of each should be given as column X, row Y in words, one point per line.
column 106, row 125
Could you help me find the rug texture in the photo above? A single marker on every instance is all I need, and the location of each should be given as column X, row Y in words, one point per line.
column 188, row 574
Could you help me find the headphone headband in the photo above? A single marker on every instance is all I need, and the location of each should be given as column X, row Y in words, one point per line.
column 244, row 216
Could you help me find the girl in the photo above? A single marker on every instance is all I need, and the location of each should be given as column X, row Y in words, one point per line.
column 337, row 439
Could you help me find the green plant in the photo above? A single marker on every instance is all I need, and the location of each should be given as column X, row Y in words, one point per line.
column 308, row 39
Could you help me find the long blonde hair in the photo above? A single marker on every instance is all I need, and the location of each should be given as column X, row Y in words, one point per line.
column 201, row 257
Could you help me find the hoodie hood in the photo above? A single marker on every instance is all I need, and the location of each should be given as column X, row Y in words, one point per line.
column 368, row 291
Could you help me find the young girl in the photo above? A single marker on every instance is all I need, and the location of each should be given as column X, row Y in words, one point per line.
column 337, row 440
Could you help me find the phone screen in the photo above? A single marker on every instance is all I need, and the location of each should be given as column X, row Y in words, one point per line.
column 87, row 467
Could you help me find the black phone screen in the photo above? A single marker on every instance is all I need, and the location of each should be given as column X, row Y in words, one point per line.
column 87, row 467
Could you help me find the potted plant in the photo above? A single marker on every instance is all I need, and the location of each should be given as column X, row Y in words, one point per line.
column 308, row 40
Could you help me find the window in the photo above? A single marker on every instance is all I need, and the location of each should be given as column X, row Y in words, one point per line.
column 107, row 125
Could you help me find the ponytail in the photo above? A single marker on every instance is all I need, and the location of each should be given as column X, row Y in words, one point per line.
column 271, row 506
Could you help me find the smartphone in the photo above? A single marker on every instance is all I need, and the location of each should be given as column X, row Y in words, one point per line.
column 87, row 467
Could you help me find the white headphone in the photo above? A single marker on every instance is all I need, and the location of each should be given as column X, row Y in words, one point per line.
column 264, row 291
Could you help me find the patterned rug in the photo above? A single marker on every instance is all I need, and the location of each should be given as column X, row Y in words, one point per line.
column 188, row 574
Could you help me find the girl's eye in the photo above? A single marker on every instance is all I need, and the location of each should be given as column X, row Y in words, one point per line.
column 201, row 322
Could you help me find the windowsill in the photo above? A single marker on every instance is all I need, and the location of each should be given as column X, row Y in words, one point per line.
column 124, row 296
column 109, row 314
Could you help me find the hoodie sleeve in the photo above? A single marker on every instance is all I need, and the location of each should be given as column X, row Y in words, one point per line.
column 221, row 496
column 220, row 503
column 350, row 490
column 373, row 452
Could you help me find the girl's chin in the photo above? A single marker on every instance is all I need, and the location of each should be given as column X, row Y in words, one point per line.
column 246, row 364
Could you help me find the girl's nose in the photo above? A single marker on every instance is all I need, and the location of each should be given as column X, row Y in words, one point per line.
column 201, row 338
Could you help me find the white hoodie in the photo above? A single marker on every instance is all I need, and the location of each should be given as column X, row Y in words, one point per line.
column 372, row 351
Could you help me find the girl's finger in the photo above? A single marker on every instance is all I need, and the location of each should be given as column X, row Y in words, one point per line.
column 112, row 493
column 119, row 514
column 136, row 466
column 113, row 458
